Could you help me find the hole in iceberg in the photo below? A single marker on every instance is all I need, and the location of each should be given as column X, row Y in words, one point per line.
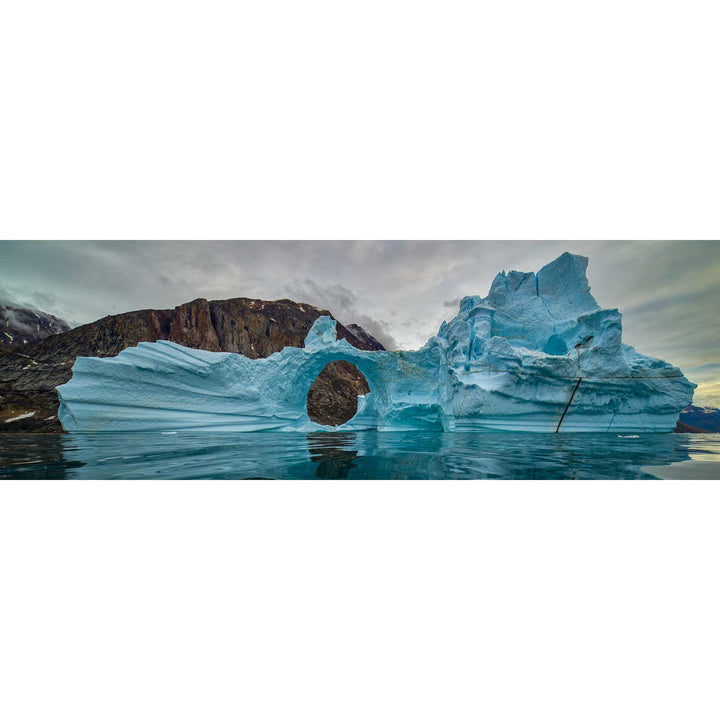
column 333, row 396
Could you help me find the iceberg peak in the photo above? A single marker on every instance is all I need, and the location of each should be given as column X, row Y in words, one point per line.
column 323, row 333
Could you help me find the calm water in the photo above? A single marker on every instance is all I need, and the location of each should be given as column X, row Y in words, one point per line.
column 364, row 455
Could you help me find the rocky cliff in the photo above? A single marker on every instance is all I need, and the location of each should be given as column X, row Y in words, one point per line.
column 682, row 427
column 254, row 328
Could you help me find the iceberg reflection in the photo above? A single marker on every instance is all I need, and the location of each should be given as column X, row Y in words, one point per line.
column 362, row 455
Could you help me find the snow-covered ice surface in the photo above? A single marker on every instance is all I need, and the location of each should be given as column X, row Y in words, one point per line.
column 537, row 354
column 20, row 417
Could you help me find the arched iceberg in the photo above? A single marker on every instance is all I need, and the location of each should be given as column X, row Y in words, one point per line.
column 537, row 354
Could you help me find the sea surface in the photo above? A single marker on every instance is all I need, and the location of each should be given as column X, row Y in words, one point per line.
column 361, row 456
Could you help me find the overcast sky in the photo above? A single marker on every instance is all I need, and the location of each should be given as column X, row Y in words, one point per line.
column 398, row 291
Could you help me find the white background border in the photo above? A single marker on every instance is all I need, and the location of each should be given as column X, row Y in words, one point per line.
column 375, row 120
column 387, row 119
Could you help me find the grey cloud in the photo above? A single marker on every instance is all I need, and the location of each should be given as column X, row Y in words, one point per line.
column 454, row 303
column 343, row 304
column 27, row 297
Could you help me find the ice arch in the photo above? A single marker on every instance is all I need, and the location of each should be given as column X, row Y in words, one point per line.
column 165, row 386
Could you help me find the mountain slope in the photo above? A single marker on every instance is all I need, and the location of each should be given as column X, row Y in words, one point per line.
column 255, row 328
column 681, row 427
column 20, row 326
column 364, row 337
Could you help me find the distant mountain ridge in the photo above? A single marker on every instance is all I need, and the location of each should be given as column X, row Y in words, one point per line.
column 20, row 326
column 251, row 327
column 700, row 418
column 364, row 337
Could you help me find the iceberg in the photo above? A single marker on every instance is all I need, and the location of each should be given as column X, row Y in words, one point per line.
column 537, row 354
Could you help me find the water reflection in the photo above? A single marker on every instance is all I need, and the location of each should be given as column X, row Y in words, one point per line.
column 35, row 456
column 334, row 453
column 361, row 455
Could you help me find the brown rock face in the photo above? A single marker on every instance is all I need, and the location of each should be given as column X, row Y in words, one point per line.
column 255, row 328
column 681, row 427
column 333, row 397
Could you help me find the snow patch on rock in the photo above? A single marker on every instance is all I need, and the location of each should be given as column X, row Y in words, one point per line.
column 20, row 417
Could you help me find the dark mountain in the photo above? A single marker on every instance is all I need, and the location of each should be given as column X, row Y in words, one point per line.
column 20, row 326
column 255, row 328
column 699, row 418
column 364, row 337
column 681, row 427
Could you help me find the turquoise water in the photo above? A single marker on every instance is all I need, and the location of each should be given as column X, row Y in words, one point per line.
column 363, row 455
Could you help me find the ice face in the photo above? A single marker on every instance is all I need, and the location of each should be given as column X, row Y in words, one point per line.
column 322, row 334
column 536, row 354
